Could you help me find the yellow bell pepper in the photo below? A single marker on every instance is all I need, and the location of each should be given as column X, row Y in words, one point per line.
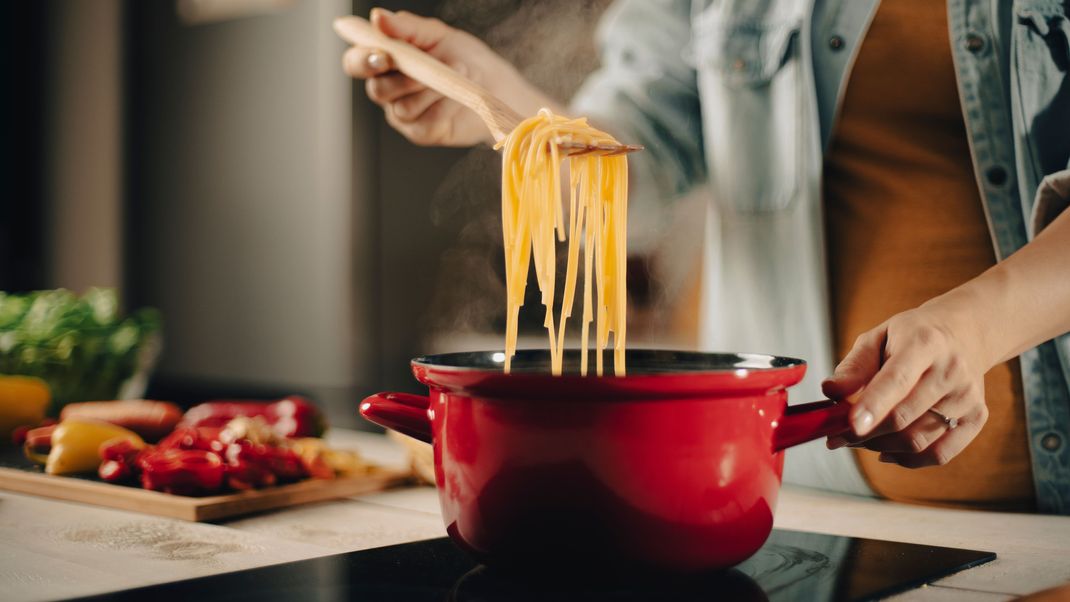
column 76, row 445
column 23, row 401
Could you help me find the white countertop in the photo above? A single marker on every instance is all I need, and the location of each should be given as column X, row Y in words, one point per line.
column 51, row 549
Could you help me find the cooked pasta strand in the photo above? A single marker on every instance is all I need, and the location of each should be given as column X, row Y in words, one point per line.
column 533, row 222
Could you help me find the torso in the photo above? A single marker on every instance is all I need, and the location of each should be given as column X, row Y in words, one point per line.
column 905, row 223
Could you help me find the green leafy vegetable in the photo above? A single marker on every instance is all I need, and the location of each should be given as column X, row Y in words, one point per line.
column 81, row 346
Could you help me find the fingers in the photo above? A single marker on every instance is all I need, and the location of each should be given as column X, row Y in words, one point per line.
column 422, row 32
column 385, row 89
column 861, row 363
column 897, row 372
column 412, row 107
column 433, row 127
column 893, row 382
column 924, row 431
column 361, row 62
column 931, row 387
column 945, row 447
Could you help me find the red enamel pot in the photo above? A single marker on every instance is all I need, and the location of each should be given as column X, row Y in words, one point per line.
column 675, row 466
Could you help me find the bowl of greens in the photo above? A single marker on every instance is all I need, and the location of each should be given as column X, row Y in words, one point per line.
column 82, row 346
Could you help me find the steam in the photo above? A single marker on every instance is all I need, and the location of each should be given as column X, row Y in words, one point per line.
column 552, row 43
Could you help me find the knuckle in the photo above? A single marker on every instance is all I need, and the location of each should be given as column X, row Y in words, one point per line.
column 861, row 340
column 899, row 379
column 918, row 442
column 900, row 418
column 353, row 55
column 374, row 88
column 941, row 457
column 403, row 109
column 848, row 365
column 956, row 366
column 434, row 25
column 925, row 336
column 417, row 133
column 349, row 64
column 459, row 66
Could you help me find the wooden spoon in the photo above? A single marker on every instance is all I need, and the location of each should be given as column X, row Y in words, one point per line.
column 426, row 69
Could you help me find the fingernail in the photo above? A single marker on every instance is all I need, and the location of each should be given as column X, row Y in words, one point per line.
column 376, row 61
column 861, row 422
column 835, row 442
column 378, row 10
column 887, row 458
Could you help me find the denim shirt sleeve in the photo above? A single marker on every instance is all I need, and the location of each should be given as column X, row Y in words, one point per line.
column 1053, row 197
column 645, row 92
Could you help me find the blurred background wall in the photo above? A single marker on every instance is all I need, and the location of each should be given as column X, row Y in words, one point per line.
column 210, row 158
column 248, row 215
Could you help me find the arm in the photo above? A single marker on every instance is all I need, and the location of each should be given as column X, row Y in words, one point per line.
column 422, row 115
column 644, row 92
column 935, row 356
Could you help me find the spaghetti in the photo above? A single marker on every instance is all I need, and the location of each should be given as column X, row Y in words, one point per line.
column 532, row 210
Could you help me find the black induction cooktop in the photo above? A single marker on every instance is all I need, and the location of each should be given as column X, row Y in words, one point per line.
column 792, row 565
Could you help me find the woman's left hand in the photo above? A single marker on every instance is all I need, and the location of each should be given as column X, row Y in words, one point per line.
column 928, row 358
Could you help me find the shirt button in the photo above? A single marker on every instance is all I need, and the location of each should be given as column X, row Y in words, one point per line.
column 996, row 176
column 975, row 42
column 836, row 42
column 1051, row 442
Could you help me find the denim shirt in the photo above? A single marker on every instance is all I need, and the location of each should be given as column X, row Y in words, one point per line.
column 738, row 97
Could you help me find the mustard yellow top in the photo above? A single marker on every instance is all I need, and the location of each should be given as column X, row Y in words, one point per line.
column 905, row 223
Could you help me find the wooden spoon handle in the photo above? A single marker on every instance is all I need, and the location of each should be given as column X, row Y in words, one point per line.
column 431, row 72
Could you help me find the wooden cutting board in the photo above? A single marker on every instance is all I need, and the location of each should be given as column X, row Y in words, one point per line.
column 20, row 475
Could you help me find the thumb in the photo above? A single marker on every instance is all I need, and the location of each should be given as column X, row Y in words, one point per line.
column 858, row 368
column 422, row 32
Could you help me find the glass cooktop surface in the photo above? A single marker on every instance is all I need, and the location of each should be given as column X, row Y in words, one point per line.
column 792, row 565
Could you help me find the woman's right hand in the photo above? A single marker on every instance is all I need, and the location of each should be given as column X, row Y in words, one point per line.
column 422, row 115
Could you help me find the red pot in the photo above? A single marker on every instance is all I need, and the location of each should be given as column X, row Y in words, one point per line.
column 675, row 466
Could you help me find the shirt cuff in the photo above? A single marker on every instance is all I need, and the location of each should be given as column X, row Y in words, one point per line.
column 1053, row 197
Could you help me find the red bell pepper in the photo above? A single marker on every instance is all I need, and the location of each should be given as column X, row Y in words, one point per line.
column 38, row 442
column 244, row 474
column 119, row 460
column 255, row 465
column 18, row 436
column 115, row 471
column 292, row 416
column 205, row 438
column 181, row 471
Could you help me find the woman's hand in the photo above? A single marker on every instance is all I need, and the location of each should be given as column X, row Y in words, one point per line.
column 935, row 357
column 929, row 358
column 422, row 115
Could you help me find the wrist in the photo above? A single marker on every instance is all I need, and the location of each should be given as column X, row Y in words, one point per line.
column 966, row 313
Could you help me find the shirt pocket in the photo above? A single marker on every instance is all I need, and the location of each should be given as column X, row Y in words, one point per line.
column 1040, row 60
column 749, row 77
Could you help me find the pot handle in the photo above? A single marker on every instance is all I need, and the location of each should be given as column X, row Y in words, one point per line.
column 808, row 421
column 402, row 412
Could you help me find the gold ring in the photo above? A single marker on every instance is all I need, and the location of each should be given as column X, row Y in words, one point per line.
column 950, row 422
